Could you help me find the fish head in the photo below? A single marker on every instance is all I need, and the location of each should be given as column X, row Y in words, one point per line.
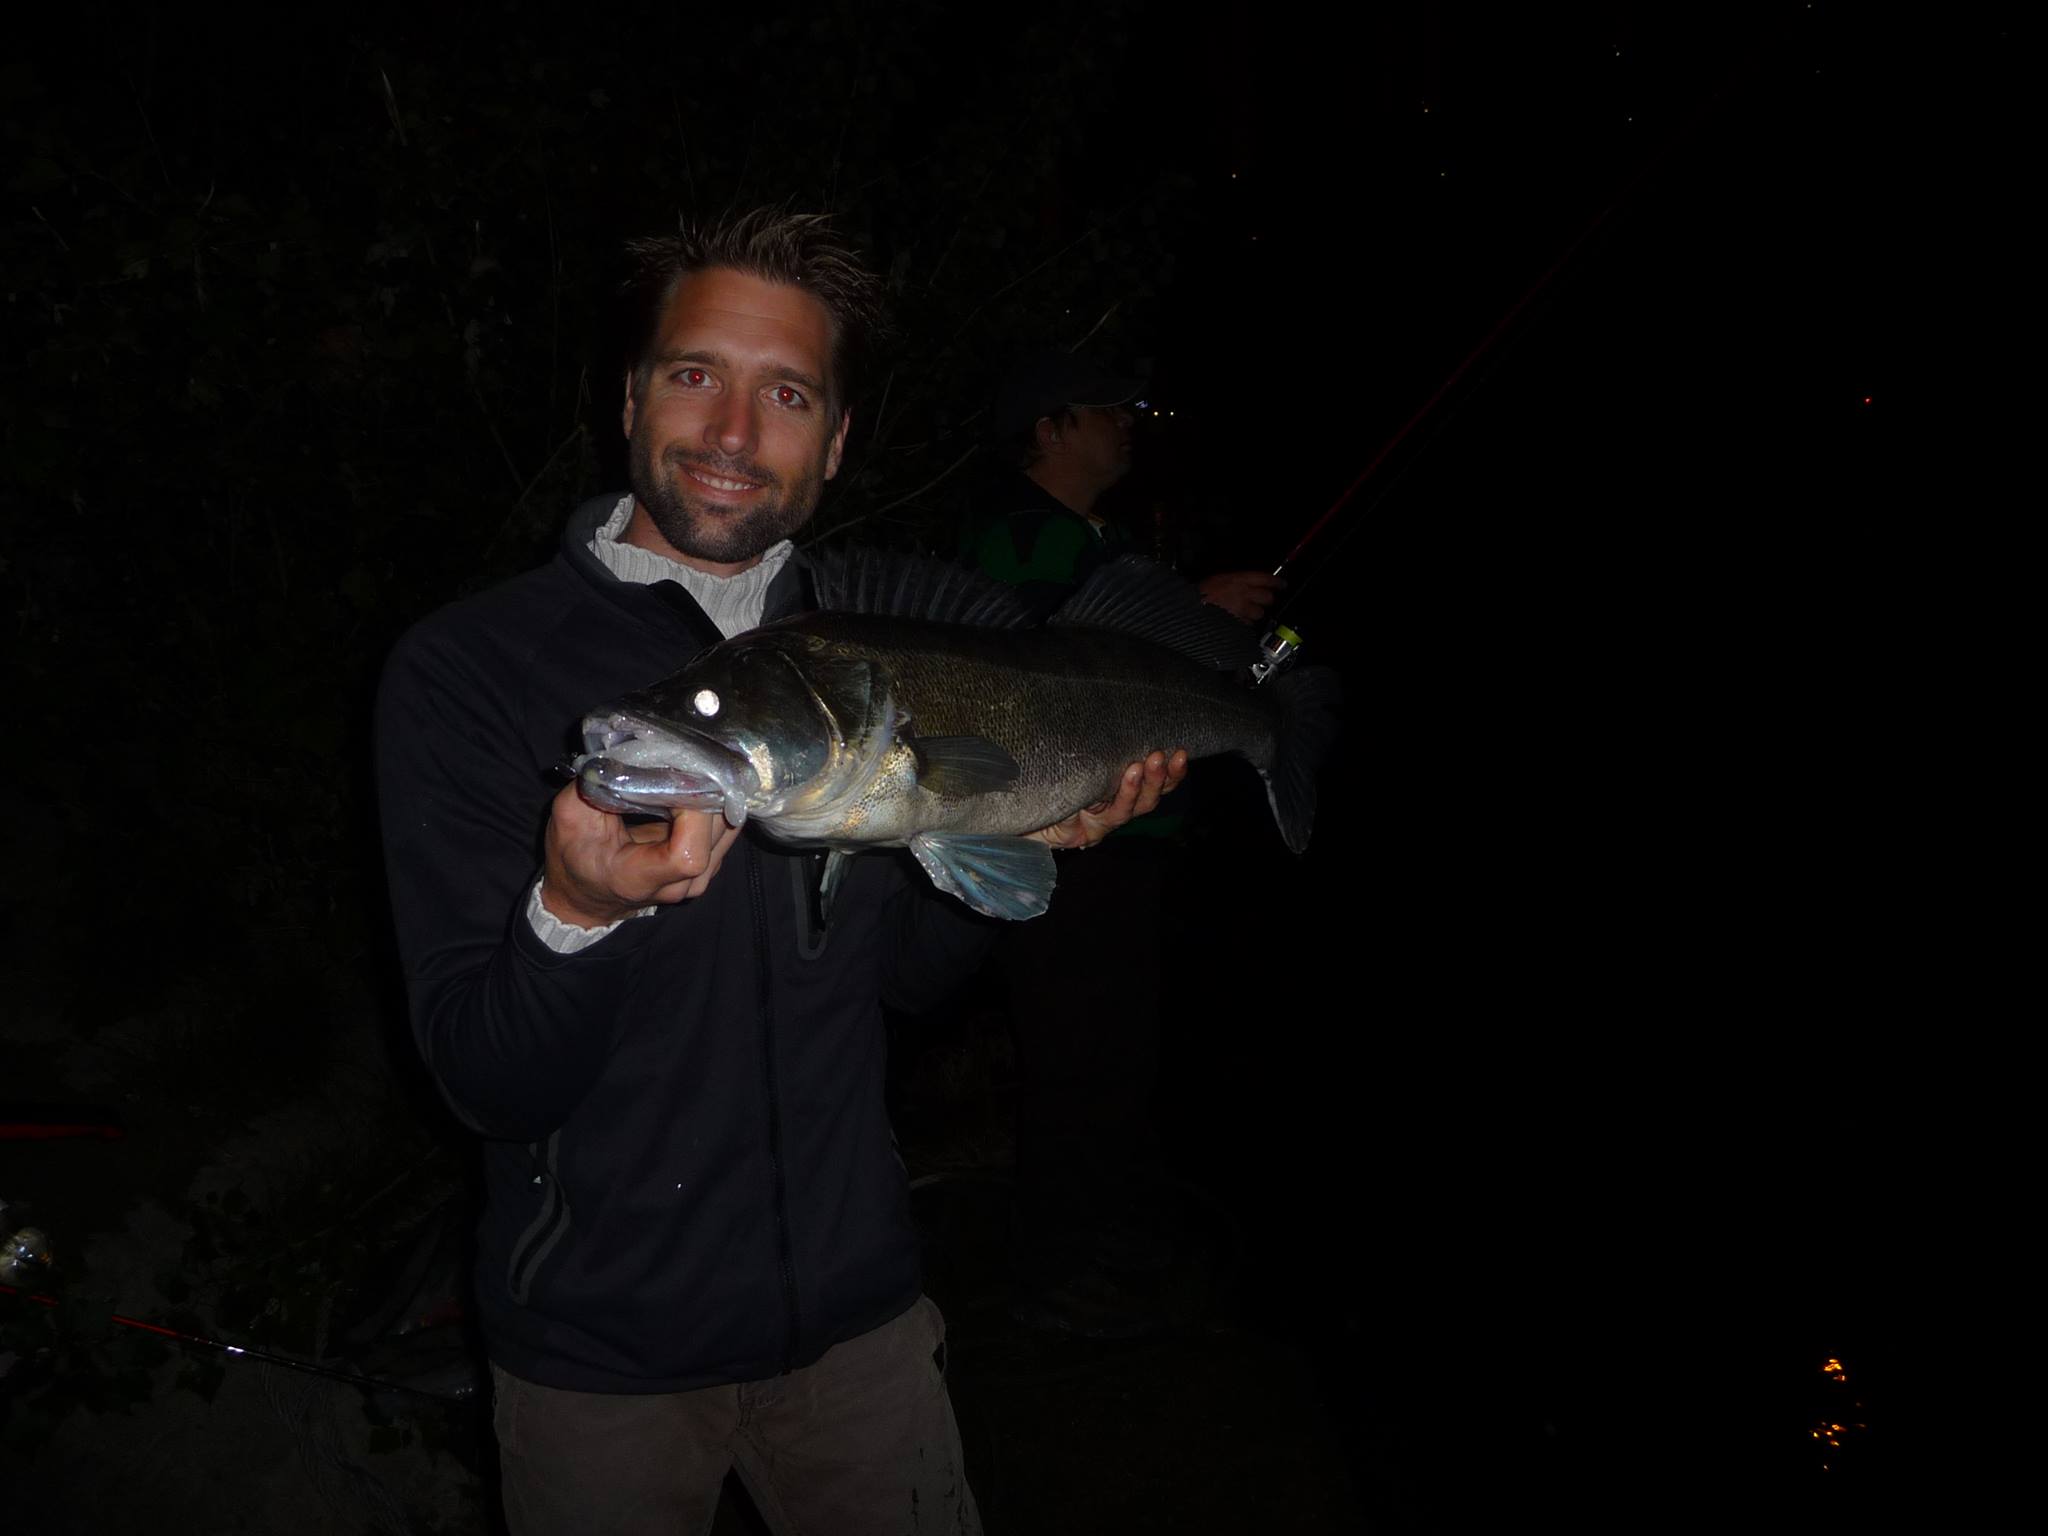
column 756, row 726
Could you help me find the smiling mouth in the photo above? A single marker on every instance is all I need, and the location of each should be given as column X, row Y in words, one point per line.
column 705, row 477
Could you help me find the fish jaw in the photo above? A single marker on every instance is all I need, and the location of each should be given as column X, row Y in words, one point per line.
column 634, row 765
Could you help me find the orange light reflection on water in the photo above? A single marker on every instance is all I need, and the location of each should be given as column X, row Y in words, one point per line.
column 1830, row 1432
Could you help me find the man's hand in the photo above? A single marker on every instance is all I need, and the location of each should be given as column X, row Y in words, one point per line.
column 1137, row 793
column 599, row 869
column 1241, row 594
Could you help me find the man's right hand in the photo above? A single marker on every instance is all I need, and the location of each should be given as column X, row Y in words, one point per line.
column 1243, row 595
column 599, row 869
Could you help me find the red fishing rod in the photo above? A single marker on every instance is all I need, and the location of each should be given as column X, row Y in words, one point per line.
column 26, row 1254
column 245, row 1351
column 1281, row 642
column 1450, row 383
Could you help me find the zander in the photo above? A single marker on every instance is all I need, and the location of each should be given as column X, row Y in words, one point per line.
column 923, row 708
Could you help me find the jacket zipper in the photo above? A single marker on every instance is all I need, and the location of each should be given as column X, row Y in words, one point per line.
column 548, row 1225
column 764, row 974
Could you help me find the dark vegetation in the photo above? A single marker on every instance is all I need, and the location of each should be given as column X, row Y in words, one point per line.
column 308, row 332
column 1573, row 1100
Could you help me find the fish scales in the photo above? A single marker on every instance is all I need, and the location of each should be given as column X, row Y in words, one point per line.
column 917, row 710
column 1072, row 707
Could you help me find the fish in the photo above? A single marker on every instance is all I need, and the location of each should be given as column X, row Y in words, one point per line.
column 923, row 706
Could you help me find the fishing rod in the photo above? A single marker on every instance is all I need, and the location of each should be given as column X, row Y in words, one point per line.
column 19, row 1122
column 248, row 1351
column 26, row 1253
column 1280, row 642
column 1450, row 382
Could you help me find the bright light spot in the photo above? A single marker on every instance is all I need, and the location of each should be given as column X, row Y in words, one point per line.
column 706, row 702
column 1866, row 399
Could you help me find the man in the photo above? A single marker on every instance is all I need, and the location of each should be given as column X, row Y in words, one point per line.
column 696, row 1250
column 1067, row 426
column 1087, row 1033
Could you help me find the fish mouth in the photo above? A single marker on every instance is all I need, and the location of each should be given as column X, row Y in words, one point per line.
column 633, row 765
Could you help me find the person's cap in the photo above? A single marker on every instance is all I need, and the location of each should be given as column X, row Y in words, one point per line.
column 1050, row 382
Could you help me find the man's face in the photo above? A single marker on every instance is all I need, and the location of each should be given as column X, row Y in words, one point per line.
column 732, row 429
column 1099, row 441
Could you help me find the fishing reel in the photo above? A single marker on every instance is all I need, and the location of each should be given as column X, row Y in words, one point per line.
column 1279, row 647
column 25, row 1257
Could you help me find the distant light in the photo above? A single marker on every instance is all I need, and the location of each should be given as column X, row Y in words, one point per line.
column 1144, row 405
column 1866, row 399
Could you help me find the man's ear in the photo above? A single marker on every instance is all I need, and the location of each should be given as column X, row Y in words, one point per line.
column 626, row 412
column 1046, row 434
column 838, row 448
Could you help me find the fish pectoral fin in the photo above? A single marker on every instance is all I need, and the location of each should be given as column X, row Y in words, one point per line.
column 962, row 765
column 1006, row 877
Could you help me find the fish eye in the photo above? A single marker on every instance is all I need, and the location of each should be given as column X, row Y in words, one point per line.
column 706, row 702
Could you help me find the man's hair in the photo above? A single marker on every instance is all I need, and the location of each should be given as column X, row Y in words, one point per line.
column 777, row 246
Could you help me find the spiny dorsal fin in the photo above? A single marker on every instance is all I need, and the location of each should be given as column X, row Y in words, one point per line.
column 1138, row 598
column 849, row 579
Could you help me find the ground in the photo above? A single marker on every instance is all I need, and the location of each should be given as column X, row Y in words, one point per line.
column 1214, row 1424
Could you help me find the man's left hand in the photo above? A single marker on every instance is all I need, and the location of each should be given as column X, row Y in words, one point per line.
column 1137, row 793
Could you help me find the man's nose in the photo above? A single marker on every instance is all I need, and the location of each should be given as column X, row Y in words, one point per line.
column 734, row 424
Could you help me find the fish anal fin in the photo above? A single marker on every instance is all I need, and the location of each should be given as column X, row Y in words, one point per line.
column 1006, row 877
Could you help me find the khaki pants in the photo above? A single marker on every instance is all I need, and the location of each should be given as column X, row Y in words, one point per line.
column 863, row 1443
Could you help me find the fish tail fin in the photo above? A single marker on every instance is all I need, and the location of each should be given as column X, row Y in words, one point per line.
column 1307, row 698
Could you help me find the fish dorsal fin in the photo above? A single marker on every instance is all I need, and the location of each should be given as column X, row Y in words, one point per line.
column 849, row 579
column 962, row 765
column 1136, row 597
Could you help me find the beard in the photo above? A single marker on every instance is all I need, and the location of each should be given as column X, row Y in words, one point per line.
column 695, row 527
